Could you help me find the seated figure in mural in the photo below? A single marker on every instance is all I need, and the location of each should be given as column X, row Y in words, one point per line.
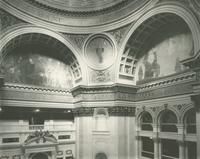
column 152, row 68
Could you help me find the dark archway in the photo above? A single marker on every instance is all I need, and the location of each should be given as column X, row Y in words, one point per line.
column 101, row 156
column 40, row 156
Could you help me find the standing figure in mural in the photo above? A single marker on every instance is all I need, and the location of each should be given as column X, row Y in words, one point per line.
column 152, row 68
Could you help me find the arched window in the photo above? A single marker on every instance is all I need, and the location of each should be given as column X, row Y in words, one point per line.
column 168, row 121
column 146, row 122
column 190, row 122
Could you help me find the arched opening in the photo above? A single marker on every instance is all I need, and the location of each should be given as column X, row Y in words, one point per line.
column 40, row 60
column 168, row 121
column 156, row 49
column 40, row 156
column 190, row 122
column 100, row 156
column 146, row 121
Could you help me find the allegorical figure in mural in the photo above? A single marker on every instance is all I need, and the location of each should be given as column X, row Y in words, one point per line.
column 151, row 67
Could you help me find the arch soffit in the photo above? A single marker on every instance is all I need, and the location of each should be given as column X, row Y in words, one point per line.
column 175, row 8
column 163, row 110
column 185, row 111
column 141, row 112
column 24, row 29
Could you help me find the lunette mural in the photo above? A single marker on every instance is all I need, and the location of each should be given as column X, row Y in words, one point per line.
column 36, row 69
column 164, row 58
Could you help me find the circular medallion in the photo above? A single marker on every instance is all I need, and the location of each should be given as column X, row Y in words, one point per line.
column 99, row 52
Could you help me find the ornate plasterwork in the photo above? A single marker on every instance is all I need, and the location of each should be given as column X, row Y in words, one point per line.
column 8, row 20
column 120, row 33
column 77, row 39
column 112, row 111
column 179, row 109
column 39, row 136
column 100, row 76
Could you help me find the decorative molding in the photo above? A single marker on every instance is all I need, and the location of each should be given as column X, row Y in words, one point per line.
column 83, row 111
column 100, row 76
column 37, row 136
column 99, row 112
column 120, row 33
column 34, row 88
column 168, row 81
column 121, row 111
column 179, row 89
column 77, row 39
column 112, row 111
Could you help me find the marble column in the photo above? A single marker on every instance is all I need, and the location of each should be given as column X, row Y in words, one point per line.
column 138, row 146
column 181, row 149
column 156, row 148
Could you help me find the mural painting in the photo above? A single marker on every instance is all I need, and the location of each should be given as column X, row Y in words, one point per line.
column 164, row 58
column 36, row 69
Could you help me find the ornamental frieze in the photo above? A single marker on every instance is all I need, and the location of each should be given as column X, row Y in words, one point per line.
column 165, row 91
column 112, row 111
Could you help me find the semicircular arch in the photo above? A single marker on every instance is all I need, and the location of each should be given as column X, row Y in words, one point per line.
column 26, row 29
column 176, row 9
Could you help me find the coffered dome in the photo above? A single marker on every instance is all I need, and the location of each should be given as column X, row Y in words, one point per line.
column 78, row 16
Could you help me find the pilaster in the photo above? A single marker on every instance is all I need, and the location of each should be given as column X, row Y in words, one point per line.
column 196, row 100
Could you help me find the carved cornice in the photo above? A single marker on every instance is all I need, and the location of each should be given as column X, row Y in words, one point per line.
column 103, row 88
column 112, row 111
column 175, row 79
column 178, row 89
column 34, row 88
